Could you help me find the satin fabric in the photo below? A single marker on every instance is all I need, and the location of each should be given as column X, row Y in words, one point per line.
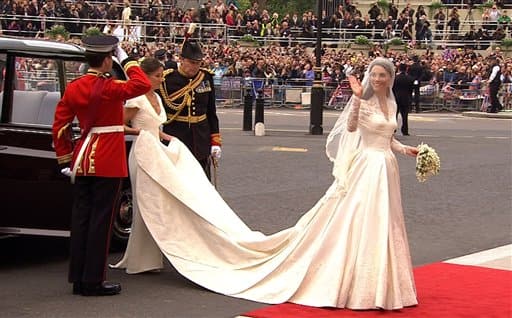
column 349, row 250
column 142, row 253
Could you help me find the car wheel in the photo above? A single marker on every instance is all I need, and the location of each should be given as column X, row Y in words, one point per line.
column 121, row 227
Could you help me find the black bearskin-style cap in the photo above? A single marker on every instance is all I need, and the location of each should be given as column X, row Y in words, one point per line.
column 100, row 43
column 192, row 50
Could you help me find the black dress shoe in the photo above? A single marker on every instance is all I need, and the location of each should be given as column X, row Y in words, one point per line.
column 101, row 289
column 77, row 288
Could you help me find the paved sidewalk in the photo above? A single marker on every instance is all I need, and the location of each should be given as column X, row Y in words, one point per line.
column 501, row 115
column 497, row 258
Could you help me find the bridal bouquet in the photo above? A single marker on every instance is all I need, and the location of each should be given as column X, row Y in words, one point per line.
column 427, row 162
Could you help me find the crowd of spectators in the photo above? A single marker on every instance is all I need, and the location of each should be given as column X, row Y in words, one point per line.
column 284, row 63
column 408, row 23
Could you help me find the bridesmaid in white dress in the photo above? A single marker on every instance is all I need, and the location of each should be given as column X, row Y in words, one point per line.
column 143, row 113
column 349, row 250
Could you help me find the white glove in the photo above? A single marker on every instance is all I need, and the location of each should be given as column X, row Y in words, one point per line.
column 416, row 82
column 216, row 152
column 120, row 54
column 66, row 172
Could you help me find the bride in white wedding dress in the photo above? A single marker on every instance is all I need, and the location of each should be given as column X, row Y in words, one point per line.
column 349, row 250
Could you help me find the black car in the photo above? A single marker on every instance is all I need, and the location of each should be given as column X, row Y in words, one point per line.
column 36, row 198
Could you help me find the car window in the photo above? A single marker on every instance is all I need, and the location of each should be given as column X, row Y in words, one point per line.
column 37, row 87
column 74, row 69
column 36, row 90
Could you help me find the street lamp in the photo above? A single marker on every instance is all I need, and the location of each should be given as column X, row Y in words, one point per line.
column 317, row 91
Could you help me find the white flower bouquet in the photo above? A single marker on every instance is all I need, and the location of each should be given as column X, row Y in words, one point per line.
column 427, row 162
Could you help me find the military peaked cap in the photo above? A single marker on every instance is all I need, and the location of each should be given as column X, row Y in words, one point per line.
column 192, row 50
column 100, row 43
column 160, row 54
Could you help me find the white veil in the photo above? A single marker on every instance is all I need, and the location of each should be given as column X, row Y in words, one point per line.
column 342, row 145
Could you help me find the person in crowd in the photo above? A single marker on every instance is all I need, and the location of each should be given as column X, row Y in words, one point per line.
column 416, row 72
column 440, row 19
column 145, row 112
column 126, row 18
column 163, row 56
column 506, row 79
column 494, row 15
column 388, row 33
column 403, row 88
column 504, row 21
column 374, row 11
column 494, row 83
column 454, row 25
column 363, row 252
column 97, row 163
column 406, row 33
column 189, row 101
column 380, row 26
column 393, row 11
column 462, row 78
column 308, row 74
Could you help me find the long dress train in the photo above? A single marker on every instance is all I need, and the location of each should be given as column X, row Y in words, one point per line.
column 349, row 250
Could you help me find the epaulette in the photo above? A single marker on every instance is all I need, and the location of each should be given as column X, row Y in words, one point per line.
column 207, row 71
column 79, row 77
column 168, row 71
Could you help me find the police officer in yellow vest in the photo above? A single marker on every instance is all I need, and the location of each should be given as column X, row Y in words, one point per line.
column 188, row 95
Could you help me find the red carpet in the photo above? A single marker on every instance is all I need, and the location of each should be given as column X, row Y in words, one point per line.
column 444, row 290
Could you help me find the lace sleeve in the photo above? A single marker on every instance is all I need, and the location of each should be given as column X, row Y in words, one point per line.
column 353, row 115
column 397, row 146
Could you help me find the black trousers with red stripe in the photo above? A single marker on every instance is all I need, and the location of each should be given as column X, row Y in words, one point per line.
column 91, row 227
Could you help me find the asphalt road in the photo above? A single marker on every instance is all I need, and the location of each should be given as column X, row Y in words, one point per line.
column 465, row 209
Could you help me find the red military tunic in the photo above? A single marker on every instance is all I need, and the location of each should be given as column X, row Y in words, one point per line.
column 105, row 154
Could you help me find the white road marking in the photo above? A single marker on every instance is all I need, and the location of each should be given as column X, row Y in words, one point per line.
column 289, row 149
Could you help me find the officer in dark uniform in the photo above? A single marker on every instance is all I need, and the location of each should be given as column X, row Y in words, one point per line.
column 416, row 72
column 494, row 85
column 162, row 56
column 97, row 162
column 189, row 100
column 402, row 89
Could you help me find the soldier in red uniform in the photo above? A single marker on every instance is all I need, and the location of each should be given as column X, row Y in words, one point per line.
column 97, row 163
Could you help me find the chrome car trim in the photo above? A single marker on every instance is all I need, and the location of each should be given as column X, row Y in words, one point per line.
column 24, row 130
column 28, row 152
column 28, row 231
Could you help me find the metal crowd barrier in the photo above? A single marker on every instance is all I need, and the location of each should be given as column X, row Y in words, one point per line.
column 292, row 93
column 296, row 93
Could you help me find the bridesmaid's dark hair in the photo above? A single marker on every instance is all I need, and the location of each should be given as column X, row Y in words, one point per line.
column 150, row 65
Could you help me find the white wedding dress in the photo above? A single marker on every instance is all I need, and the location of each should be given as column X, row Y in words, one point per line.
column 349, row 250
column 142, row 253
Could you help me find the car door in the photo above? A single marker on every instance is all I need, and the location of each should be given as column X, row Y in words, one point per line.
column 36, row 197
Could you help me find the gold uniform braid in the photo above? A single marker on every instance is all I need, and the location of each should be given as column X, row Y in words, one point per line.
column 186, row 92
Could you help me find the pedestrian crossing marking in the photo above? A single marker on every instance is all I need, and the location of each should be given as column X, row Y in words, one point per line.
column 289, row 149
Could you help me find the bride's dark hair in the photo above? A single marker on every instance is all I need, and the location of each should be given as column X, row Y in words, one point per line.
column 387, row 65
